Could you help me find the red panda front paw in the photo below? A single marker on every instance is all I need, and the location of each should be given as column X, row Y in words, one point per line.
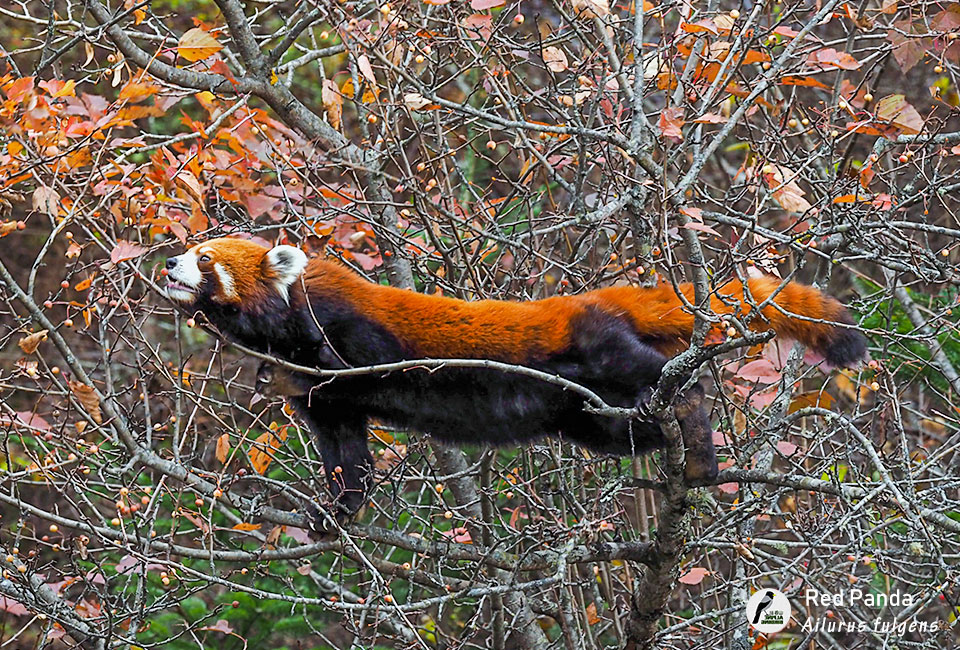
column 329, row 518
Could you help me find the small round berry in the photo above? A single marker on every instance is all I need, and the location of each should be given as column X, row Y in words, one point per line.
column 65, row 285
column 518, row 19
column 54, row 528
column 805, row 122
column 792, row 123
column 388, row 598
column 385, row 9
column 734, row 14
column 491, row 145
column 868, row 97
column 21, row 225
column 191, row 322
column 938, row 69
column 48, row 304
column 419, row 58
column 448, row 515
column 439, row 488
column 904, row 158
column 235, row 604
column 68, row 322
column 875, row 386
column 842, row 104
column 372, row 119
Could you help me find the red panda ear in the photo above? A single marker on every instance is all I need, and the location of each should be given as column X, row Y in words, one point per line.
column 284, row 264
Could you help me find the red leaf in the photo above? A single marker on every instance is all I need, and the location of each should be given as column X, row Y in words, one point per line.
column 700, row 227
column 480, row 5
column 908, row 50
column 694, row 576
column 671, row 123
column 760, row 370
column 126, row 250
column 12, row 607
column 221, row 626
column 831, row 58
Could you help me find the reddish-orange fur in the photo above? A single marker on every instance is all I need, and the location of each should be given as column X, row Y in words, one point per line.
column 520, row 332
column 517, row 332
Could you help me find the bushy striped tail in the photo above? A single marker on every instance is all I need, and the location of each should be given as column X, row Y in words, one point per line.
column 805, row 314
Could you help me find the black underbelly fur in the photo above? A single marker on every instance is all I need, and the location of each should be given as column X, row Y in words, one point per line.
column 480, row 405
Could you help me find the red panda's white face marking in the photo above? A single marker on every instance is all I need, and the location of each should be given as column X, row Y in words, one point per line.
column 232, row 271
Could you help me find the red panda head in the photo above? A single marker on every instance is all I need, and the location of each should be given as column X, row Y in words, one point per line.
column 231, row 271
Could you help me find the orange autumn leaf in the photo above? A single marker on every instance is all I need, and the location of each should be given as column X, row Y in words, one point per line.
column 197, row 44
column 223, row 447
column 31, row 342
column 797, row 80
column 88, row 399
column 246, row 527
column 265, row 448
column 137, row 91
column 592, row 617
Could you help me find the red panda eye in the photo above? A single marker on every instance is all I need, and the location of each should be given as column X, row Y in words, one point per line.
column 204, row 258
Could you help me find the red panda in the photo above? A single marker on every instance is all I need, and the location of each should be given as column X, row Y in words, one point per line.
column 614, row 341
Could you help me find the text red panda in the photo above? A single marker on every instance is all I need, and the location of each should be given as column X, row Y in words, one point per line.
column 614, row 341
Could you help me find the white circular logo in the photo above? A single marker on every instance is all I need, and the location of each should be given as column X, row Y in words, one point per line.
column 768, row 611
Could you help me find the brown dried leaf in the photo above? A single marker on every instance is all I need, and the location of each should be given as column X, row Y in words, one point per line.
column 897, row 111
column 46, row 200
column 591, row 8
column 671, row 123
column 555, row 59
column 788, row 194
column 30, row 343
column 332, row 102
column 223, row 447
column 367, row 70
column 87, row 398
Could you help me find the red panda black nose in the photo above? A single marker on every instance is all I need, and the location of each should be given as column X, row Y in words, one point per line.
column 171, row 263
